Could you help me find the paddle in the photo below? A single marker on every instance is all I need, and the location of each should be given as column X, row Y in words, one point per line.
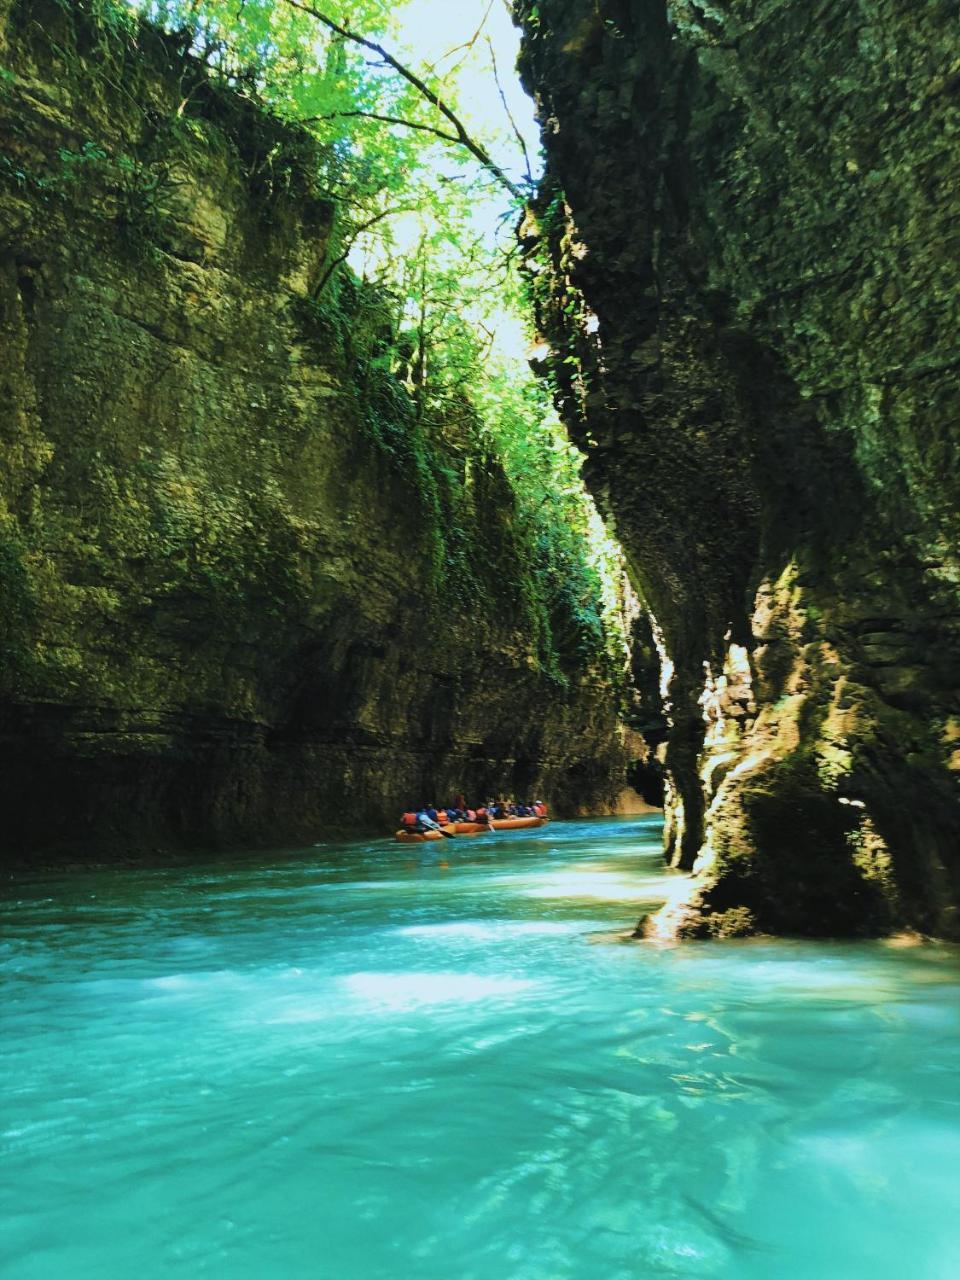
column 435, row 826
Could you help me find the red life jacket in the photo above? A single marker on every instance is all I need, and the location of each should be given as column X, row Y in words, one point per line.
column 409, row 820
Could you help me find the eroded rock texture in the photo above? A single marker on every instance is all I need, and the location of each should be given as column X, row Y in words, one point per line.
column 240, row 600
column 745, row 260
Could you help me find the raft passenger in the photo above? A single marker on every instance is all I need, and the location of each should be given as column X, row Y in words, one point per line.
column 427, row 820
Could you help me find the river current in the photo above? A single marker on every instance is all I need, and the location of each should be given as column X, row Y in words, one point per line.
column 367, row 1060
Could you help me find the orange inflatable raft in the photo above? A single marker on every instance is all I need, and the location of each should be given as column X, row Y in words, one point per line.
column 469, row 829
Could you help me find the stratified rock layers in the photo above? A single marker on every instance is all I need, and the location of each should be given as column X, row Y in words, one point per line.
column 239, row 602
column 746, row 268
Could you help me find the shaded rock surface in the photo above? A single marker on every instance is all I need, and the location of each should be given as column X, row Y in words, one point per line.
column 222, row 535
column 744, row 260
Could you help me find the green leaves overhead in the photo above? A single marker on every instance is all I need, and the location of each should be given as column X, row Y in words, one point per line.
column 427, row 212
column 329, row 70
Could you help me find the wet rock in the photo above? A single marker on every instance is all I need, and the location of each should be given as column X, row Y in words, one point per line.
column 220, row 607
column 760, row 214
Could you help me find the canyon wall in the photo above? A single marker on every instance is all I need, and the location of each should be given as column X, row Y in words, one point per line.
column 744, row 264
column 246, row 595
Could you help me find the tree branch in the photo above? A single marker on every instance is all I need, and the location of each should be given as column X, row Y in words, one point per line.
column 465, row 47
column 357, row 232
column 506, row 106
column 463, row 138
column 373, row 115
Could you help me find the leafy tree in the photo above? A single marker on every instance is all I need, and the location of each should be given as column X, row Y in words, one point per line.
column 418, row 191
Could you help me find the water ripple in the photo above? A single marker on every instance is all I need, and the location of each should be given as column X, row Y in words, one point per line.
column 349, row 1062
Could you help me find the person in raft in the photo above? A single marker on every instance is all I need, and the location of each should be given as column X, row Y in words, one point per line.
column 417, row 821
column 429, row 818
column 425, row 818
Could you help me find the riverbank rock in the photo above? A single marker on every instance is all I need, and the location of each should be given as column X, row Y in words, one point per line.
column 743, row 263
column 225, row 545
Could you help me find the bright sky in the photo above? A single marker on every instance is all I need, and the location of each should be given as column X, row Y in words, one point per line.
column 429, row 29
column 431, row 32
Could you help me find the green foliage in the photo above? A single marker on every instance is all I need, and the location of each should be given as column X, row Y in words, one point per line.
column 125, row 189
column 111, row 20
column 417, row 300
column 577, row 567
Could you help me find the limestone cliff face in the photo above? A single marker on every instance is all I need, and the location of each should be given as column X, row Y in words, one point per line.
column 230, row 567
column 744, row 259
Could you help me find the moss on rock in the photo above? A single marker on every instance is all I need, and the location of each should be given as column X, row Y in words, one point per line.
column 745, row 270
column 247, row 595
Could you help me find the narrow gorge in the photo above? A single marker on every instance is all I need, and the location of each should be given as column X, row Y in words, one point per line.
column 479, row 639
column 257, row 583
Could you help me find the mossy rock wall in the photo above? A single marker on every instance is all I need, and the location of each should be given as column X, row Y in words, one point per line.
column 746, row 265
column 239, row 602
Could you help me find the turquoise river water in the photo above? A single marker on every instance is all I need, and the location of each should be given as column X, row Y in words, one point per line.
column 368, row 1060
